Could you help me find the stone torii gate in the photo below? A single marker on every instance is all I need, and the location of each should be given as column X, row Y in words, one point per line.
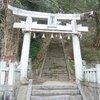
column 31, row 24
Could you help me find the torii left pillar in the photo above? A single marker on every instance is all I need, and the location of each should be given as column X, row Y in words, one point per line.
column 25, row 50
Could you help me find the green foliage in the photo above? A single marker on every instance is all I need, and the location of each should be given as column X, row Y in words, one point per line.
column 72, row 68
column 69, row 6
column 83, row 80
column 41, row 5
column 66, row 5
column 36, row 66
column 52, row 5
column 17, row 3
column 91, row 54
column 35, row 46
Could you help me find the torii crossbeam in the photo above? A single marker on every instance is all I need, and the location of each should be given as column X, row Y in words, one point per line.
column 51, row 24
column 52, row 20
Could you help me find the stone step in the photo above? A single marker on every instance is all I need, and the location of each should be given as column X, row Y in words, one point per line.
column 50, row 69
column 55, row 50
column 55, row 92
column 60, row 64
column 53, row 65
column 56, row 97
column 55, row 73
column 52, row 48
column 54, row 58
column 55, row 53
column 54, row 87
column 58, row 68
column 56, row 79
column 55, row 46
column 54, row 70
column 60, row 52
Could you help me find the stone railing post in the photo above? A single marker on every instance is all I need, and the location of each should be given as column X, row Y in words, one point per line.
column 2, row 73
column 11, row 74
column 98, row 73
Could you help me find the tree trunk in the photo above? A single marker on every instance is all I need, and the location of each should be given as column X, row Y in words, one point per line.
column 10, row 41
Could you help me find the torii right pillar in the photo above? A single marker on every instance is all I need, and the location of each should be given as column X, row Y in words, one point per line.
column 77, row 53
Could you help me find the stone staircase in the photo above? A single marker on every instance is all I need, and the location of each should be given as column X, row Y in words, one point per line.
column 54, row 83
column 55, row 65
column 55, row 91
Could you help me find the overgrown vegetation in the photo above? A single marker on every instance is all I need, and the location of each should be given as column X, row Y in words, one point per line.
column 91, row 55
column 35, row 46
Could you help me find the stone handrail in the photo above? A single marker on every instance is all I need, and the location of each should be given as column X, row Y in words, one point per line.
column 92, row 74
column 66, row 60
column 9, row 75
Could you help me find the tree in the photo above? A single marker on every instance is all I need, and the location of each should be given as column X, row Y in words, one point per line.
column 41, row 5
column 10, row 38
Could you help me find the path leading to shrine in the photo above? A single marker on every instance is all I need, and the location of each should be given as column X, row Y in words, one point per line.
column 55, row 67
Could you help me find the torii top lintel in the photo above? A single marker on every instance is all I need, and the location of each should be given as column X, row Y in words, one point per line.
column 52, row 24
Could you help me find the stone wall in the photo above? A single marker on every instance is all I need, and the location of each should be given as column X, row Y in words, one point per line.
column 91, row 90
